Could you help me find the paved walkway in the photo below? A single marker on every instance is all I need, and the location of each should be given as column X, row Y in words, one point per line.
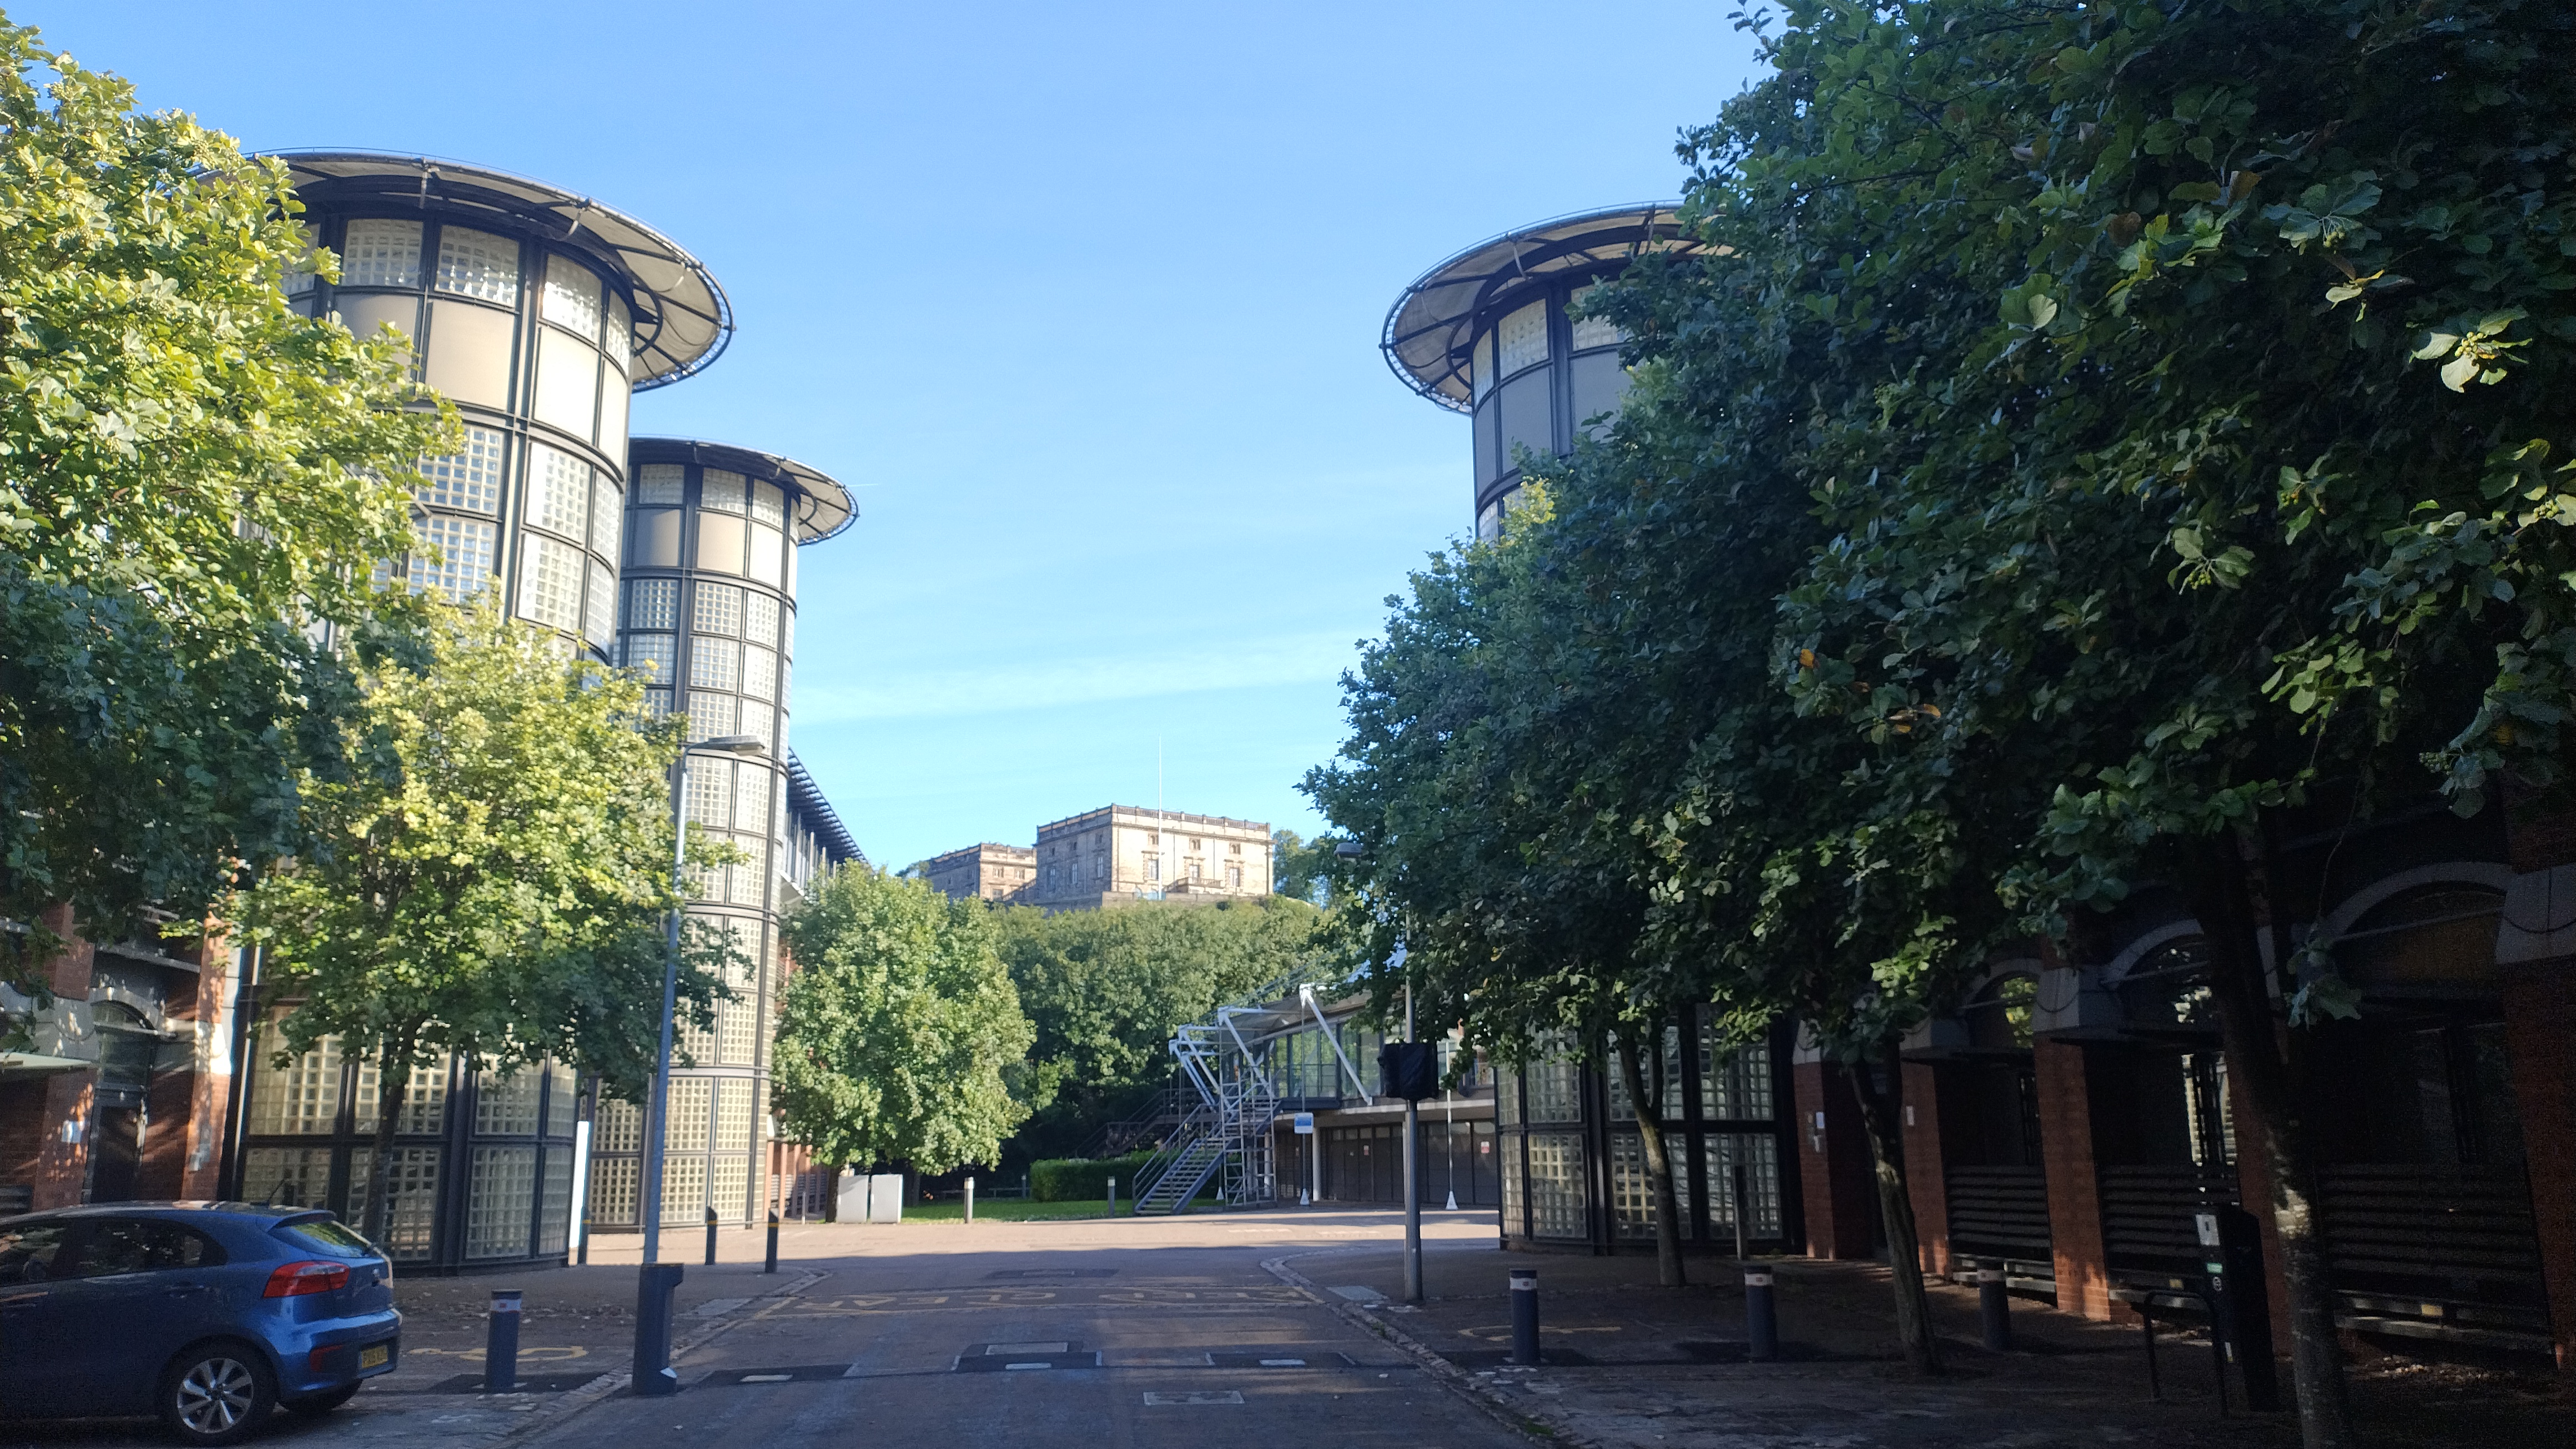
column 1226, row 1328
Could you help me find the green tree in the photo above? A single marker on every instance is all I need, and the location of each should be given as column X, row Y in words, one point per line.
column 1104, row 990
column 897, row 1029
column 487, row 875
column 192, row 477
column 1300, row 869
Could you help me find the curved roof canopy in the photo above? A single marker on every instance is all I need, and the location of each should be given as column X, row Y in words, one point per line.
column 1431, row 327
column 682, row 320
column 821, row 505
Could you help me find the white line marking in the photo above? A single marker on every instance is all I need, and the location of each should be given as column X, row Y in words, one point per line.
column 768, row 1378
column 1196, row 1396
column 1283, row 1363
column 1009, row 1366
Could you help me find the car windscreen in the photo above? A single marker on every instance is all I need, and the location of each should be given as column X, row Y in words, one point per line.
column 324, row 1235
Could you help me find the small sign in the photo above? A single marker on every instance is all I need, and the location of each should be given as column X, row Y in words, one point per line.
column 1305, row 1122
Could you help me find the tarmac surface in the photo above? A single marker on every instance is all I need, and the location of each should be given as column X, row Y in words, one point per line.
column 1218, row 1329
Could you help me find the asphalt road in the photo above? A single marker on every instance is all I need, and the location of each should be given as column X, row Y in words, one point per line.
column 1119, row 1332
column 1130, row 1332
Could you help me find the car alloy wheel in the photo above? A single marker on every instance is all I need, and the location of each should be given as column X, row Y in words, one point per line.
column 215, row 1398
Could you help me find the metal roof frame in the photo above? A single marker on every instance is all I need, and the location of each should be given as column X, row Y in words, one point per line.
column 1428, row 333
column 683, row 321
column 823, row 506
column 804, row 795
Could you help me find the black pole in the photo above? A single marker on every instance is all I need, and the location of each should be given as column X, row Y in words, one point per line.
column 2147, row 1321
column 501, row 1343
column 711, row 1237
column 1739, row 1211
column 770, row 1264
column 1994, row 1305
column 1525, row 1317
column 1761, row 1318
column 582, row 1254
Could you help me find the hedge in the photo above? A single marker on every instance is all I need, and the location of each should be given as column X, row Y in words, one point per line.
column 1079, row 1179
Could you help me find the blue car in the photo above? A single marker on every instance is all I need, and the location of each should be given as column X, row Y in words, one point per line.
column 210, row 1315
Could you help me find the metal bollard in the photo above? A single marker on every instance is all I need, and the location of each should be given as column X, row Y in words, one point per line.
column 654, row 1287
column 711, row 1237
column 501, row 1343
column 1525, row 1317
column 1761, row 1318
column 769, row 1264
column 970, row 1199
column 1113, row 1197
column 583, row 1256
column 1994, row 1305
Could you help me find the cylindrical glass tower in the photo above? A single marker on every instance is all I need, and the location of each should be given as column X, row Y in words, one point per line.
column 1486, row 333
column 539, row 313
column 710, row 622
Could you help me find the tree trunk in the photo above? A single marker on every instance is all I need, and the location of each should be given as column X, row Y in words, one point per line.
column 1659, row 1159
column 2213, row 879
column 393, row 1084
column 1896, row 1209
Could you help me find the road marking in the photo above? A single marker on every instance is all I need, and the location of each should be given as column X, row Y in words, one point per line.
column 1358, row 1294
column 768, row 1378
column 1028, row 1366
column 1197, row 1396
column 1283, row 1363
column 1024, row 1349
column 718, row 1307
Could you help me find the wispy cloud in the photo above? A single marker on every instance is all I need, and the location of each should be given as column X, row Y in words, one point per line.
column 1004, row 686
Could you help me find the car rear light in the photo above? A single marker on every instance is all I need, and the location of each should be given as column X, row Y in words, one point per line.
column 294, row 1280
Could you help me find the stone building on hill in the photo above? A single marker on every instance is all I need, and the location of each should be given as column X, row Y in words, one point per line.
column 997, row 873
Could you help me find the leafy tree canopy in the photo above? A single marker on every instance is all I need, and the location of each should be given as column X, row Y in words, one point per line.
column 191, row 476
column 487, row 873
column 1104, row 989
column 898, row 1027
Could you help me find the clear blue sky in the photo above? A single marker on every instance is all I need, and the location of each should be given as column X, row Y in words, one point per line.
column 1081, row 300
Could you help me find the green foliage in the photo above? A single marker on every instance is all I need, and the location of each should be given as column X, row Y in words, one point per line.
column 191, row 476
column 1300, row 869
column 897, row 1028
column 1104, row 989
column 1075, row 1179
column 488, row 871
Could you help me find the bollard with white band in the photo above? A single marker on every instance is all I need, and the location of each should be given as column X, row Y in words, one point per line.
column 1994, row 1305
column 1761, row 1318
column 501, row 1343
column 1525, row 1317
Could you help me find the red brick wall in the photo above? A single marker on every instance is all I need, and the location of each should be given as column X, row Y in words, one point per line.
column 1833, row 1165
column 210, row 1095
column 59, row 1169
column 2074, row 1189
column 2540, row 1037
column 1920, row 1112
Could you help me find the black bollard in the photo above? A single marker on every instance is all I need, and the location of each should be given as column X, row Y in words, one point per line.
column 711, row 1237
column 583, row 1256
column 770, row 1263
column 1761, row 1319
column 1994, row 1306
column 654, row 1287
column 1525, row 1317
column 501, row 1343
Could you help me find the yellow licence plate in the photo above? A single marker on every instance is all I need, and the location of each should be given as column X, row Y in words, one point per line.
column 375, row 1356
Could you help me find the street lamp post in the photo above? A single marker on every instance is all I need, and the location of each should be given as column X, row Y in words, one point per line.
column 657, row 1281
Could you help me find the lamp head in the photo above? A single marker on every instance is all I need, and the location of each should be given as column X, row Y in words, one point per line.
column 733, row 744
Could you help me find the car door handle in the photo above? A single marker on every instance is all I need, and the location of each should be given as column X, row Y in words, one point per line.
column 184, row 1290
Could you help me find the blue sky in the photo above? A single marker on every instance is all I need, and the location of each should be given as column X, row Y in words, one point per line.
column 1082, row 301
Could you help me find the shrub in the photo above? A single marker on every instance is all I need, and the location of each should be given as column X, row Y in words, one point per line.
column 1077, row 1179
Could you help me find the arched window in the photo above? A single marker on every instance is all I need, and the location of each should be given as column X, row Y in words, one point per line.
column 2168, row 988
column 1999, row 1015
column 2432, row 935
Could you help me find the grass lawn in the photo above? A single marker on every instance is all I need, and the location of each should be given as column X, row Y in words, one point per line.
column 1013, row 1210
column 1008, row 1209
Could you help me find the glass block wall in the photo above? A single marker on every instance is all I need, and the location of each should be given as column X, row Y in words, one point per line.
column 1574, row 1166
column 533, row 341
column 482, row 1161
column 709, row 620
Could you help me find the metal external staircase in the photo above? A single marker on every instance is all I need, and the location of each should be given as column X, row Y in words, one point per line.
column 1226, row 1137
